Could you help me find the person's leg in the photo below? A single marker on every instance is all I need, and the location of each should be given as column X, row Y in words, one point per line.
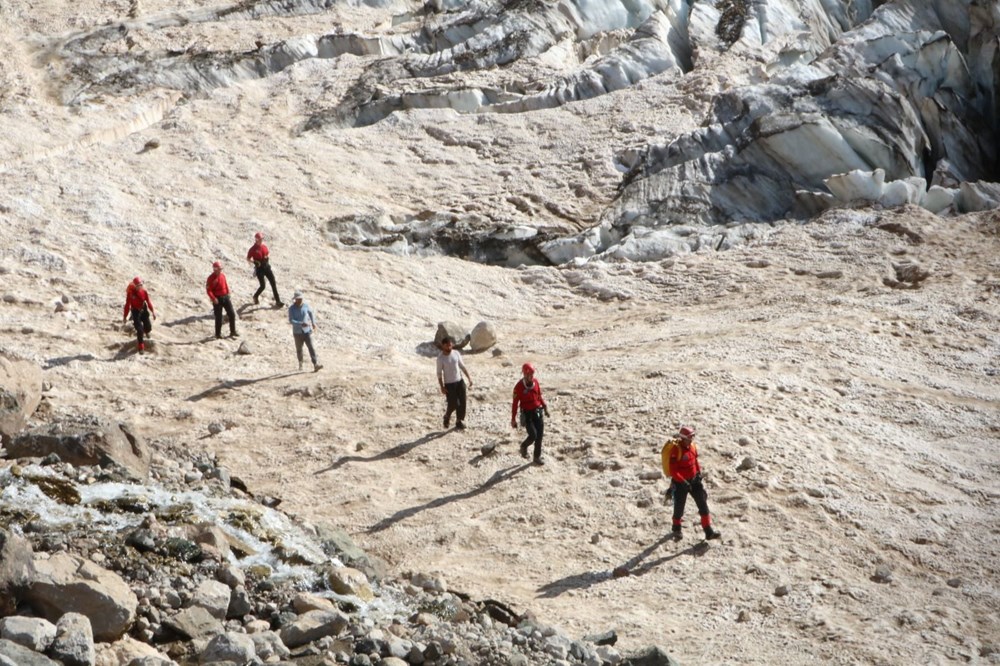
column 539, row 431
column 147, row 325
column 231, row 313
column 700, row 496
column 299, row 341
column 529, row 427
column 451, row 395
column 680, row 499
column 217, row 311
column 274, row 285
column 137, row 322
column 460, row 403
column 312, row 351
column 259, row 272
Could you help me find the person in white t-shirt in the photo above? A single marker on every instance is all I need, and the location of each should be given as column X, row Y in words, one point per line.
column 449, row 374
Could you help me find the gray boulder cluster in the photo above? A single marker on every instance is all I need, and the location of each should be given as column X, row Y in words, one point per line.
column 113, row 555
column 889, row 107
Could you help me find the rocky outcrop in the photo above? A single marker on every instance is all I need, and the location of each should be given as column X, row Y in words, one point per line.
column 64, row 583
column 20, row 393
column 899, row 110
column 86, row 442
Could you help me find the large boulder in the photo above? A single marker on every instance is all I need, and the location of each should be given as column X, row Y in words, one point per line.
column 338, row 543
column 229, row 647
column 483, row 336
column 66, row 583
column 449, row 329
column 17, row 655
column 16, row 569
column 651, row 656
column 86, row 442
column 34, row 633
column 74, row 643
column 20, row 393
column 129, row 651
column 312, row 626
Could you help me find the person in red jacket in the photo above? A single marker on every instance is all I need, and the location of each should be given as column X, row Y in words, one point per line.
column 261, row 258
column 528, row 394
column 218, row 291
column 137, row 302
column 680, row 464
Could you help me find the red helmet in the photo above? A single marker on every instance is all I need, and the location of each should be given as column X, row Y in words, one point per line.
column 137, row 280
column 527, row 368
column 687, row 432
column 258, row 236
column 217, row 264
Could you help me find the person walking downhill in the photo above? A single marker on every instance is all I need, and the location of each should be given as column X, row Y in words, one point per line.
column 449, row 375
column 137, row 302
column 528, row 394
column 261, row 258
column 218, row 291
column 303, row 322
column 680, row 465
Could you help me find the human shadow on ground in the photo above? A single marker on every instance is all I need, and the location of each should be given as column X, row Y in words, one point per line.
column 499, row 476
column 636, row 566
column 394, row 452
column 66, row 360
column 236, row 383
column 184, row 321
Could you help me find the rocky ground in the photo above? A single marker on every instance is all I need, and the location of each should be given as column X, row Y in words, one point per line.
column 841, row 373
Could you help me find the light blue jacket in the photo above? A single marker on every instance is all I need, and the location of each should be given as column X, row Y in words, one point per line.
column 301, row 318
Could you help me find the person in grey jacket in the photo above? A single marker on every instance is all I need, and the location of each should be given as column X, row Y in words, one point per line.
column 303, row 322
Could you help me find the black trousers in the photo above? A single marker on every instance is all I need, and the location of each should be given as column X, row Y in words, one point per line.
column 140, row 319
column 217, row 307
column 699, row 495
column 455, row 394
column 534, row 423
column 264, row 271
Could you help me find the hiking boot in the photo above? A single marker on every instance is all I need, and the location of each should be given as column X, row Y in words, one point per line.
column 256, row 300
column 279, row 304
column 676, row 532
column 218, row 336
column 317, row 367
column 234, row 334
column 524, row 451
column 300, row 366
column 712, row 533
column 446, row 422
column 141, row 346
column 459, row 426
column 538, row 461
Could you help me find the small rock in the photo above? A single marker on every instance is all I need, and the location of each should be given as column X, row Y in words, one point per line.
column 497, row 352
column 744, row 441
column 744, row 616
column 781, row 591
column 746, row 464
column 244, row 349
column 954, row 582
column 215, row 428
column 487, row 449
column 883, row 574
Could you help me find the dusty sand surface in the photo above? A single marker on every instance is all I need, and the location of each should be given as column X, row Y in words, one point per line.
column 870, row 413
